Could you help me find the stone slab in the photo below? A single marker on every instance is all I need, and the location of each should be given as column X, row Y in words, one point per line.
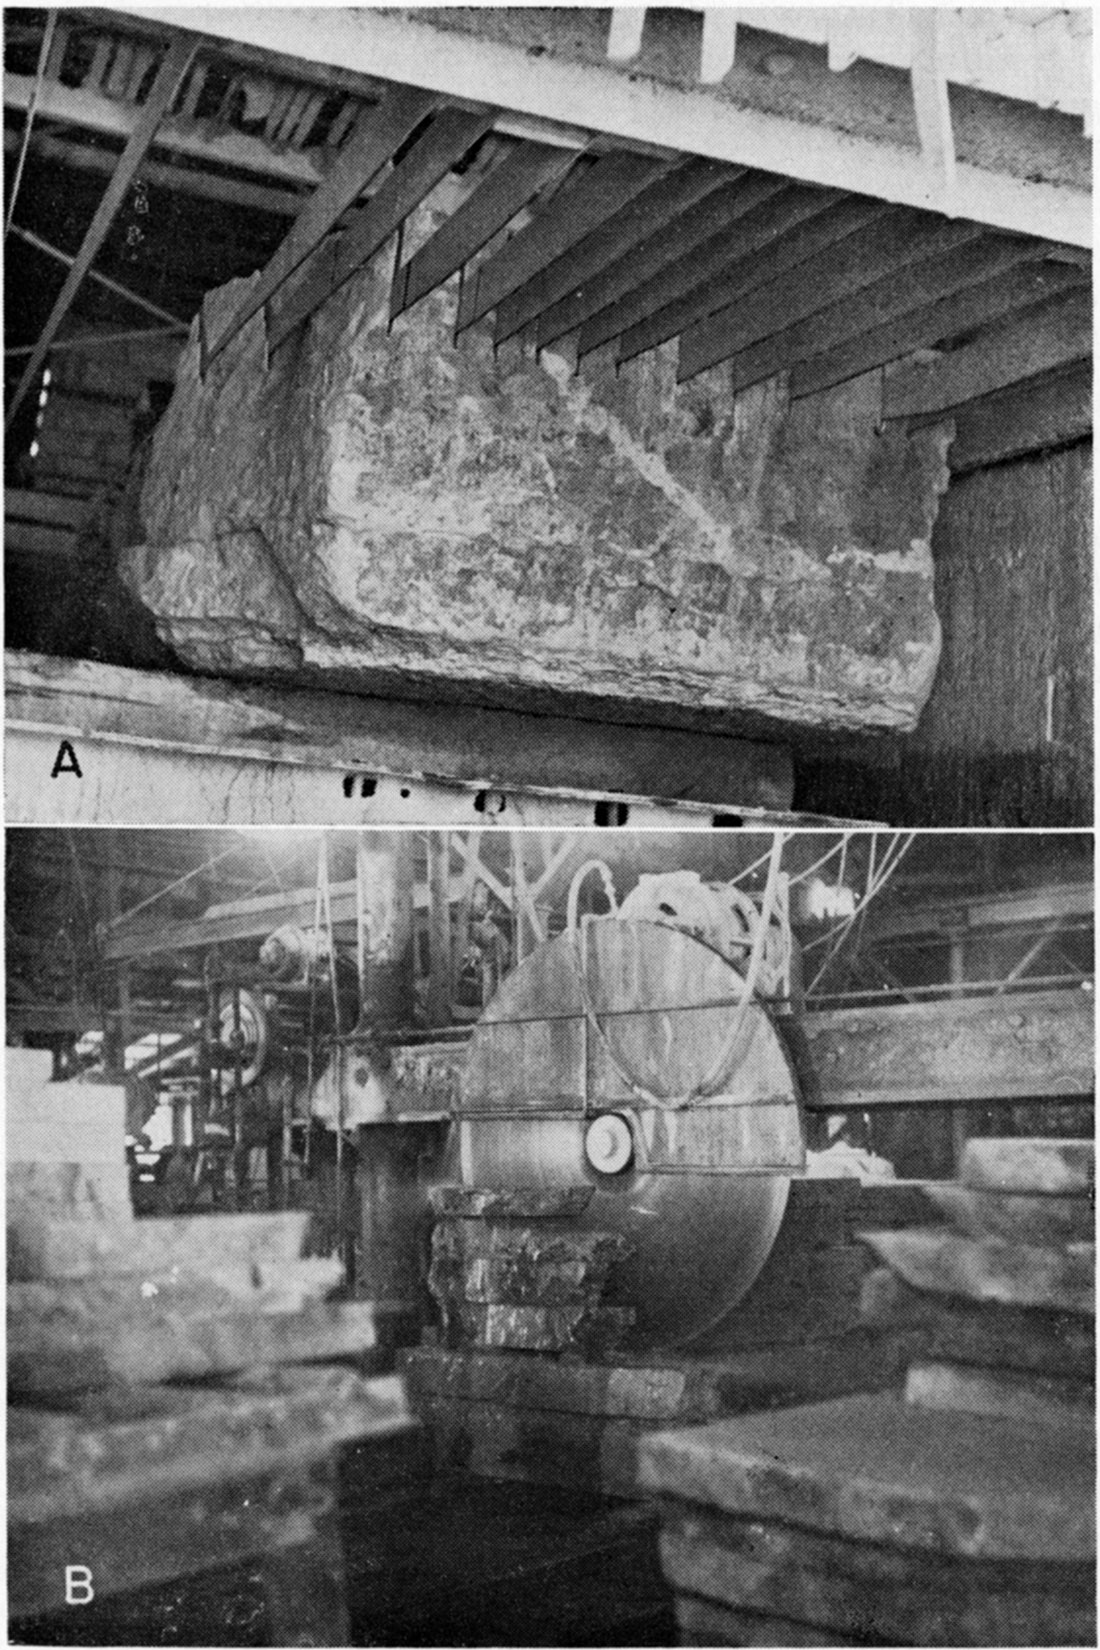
column 57, row 1246
column 864, row 1592
column 69, row 1464
column 1017, row 1396
column 642, row 1393
column 989, row 1269
column 1029, row 1165
column 878, row 1469
column 521, row 1203
column 986, row 1335
column 1048, row 1220
column 70, row 1335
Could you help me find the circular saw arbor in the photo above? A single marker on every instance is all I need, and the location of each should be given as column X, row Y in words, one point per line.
column 622, row 1057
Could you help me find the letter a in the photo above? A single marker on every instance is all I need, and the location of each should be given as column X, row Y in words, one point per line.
column 78, row 1576
column 66, row 761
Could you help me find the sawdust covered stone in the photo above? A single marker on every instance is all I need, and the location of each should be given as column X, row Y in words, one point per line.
column 373, row 506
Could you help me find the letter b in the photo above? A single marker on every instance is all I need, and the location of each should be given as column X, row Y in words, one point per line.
column 78, row 1584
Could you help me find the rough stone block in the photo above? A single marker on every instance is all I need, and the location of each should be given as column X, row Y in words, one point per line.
column 375, row 505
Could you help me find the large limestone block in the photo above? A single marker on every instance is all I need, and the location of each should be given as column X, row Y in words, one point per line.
column 373, row 507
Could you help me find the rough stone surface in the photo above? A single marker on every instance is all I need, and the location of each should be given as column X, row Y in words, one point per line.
column 372, row 506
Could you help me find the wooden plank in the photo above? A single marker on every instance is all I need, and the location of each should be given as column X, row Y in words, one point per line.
column 852, row 264
column 694, row 228
column 1050, row 413
column 1059, row 335
column 581, row 205
column 1017, row 288
column 171, row 72
column 654, row 210
column 762, row 251
column 986, row 258
column 530, row 168
column 361, row 159
column 932, row 106
column 451, row 133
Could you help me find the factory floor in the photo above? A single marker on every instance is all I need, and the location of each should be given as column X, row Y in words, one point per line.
column 467, row 1561
column 445, row 1560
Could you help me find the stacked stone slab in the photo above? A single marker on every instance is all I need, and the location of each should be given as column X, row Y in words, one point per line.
column 961, row 1512
column 375, row 505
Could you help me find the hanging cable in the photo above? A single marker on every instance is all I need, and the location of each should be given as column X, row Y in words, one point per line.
column 32, row 106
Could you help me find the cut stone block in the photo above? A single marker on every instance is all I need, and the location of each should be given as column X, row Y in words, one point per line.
column 374, row 506
column 1029, row 1165
column 878, row 1469
column 987, row 1269
column 537, row 1446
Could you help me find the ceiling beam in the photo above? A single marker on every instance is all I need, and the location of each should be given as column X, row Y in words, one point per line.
column 358, row 163
column 92, row 112
column 582, row 204
column 186, row 180
column 1020, row 288
column 651, row 212
column 509, row 187
column 164, row 88
column 845, row 268
column 1057, row 336
column 451, row 134
column 917, row 286
column 1051, row 413
column 800, row 226
column 634, row 108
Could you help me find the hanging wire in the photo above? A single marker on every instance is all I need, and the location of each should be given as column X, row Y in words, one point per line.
column 32, row 106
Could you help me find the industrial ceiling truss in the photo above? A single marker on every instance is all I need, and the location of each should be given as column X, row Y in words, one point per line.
column 560, row 237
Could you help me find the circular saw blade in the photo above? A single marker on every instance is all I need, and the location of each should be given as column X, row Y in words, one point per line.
column 698, row 1241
